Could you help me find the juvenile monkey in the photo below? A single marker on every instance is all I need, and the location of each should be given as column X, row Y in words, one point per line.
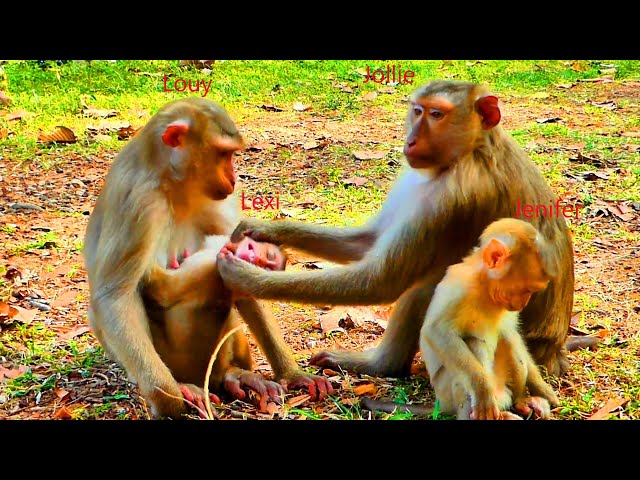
column 166, row 191
column 477, row 360
column 464, row 171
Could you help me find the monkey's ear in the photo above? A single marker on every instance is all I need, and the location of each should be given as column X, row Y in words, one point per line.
column 174, row 134
column 488, row 107
column 495, row 254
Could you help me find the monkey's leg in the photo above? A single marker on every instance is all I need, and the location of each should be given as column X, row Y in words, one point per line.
column 545, row 325
column 286, row 370
column 399, row 344
column 337, row 244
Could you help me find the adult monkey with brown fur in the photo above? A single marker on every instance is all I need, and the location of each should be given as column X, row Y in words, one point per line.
column 464, row 172
column 166, row 190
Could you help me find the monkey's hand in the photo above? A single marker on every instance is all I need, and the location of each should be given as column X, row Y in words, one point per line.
column 536, row 406
column 319, row 387
column 237, row 380
column 195, row 396
column 238, row 275
column 256, row 229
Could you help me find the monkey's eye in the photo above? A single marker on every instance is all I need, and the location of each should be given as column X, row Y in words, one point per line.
column 437, row 114
column 417, row 110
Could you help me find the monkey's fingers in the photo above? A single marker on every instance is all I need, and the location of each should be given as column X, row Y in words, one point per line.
column 173, row 263
column 230, row 246
column 319, row 387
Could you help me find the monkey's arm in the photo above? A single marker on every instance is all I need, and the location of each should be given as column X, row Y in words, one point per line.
column 397, row 260
column 337, row 244
column 193, row 281
column 116, row 266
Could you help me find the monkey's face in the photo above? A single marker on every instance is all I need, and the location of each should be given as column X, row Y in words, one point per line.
column 524, row 278
column 447, row 125
column 261, row 254
column 214, row 169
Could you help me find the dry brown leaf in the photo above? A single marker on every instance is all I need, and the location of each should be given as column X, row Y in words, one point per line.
column 4, row 132
column 369, row 154
column 330, row 321
column 65, row 298
column 631, row 134
column 101, row 137
column 387, row 90
column 11, row 373
column 62, row 394
column 366, row 388
column 593, row 176
column 330, row 373
column 18, row 115
column 369, row 96
column 579, row 67
column 24, row 315
column 605, row 79
column 608, row 105
column 566, row 85
column 631, row 146
column 7, row 312
column 4, row 100
column 607, row 71
column 301, row 107
column 12, row 273
column 60, row 135
column 357, row 181
column 260, row 146
column 549, row 120
column 299, row 400
column 611, row 405
column 63, row 413
column 74, row 333
column 127, row 132
column 361, row 71
column 99, row 113
column 270, row 108
column 540, row 95
column 310, row 145
column 575, row 146
column 575, row 318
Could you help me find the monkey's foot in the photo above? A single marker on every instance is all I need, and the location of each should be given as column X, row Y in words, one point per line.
column 487, row 410
column 195, row 395
column 319, row 387
column 509, row 416
column 237, row 380
column 165, row 401
column 537, row 406
column 360, row 362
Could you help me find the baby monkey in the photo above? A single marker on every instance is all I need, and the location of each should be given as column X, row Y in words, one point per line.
column 477, row 361
column 189, row 292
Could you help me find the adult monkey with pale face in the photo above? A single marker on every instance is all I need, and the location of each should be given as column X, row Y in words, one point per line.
column 464, row 172
column 167, row 190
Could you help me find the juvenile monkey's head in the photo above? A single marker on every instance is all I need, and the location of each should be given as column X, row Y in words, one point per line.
column 515, row 259
column 202, row 140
